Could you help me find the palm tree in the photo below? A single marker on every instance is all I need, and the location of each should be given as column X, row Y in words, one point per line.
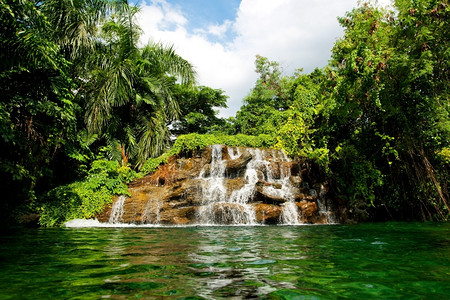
column 75, row 24
column 128, row 98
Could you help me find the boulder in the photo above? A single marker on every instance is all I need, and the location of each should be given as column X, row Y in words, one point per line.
column 264, row 195
column 234, row 166
column 267, row 213
column 296, row 181
column 182, row 215
column 230, row 213
column 309, row 211
column 299, row 197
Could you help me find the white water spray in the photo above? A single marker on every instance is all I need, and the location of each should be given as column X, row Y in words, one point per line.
column 240, row 186
column 117, row 210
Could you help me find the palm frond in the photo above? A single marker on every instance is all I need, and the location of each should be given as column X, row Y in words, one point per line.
column 113, row 148
column 75, row 23
column 164, row 60
column 153, row 135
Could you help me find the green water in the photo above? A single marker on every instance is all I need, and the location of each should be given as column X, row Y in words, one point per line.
column 368, row 261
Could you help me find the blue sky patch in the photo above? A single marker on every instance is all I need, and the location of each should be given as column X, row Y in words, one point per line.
column 201, row 13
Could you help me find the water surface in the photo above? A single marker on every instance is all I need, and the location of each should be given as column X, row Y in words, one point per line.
column 367, row 261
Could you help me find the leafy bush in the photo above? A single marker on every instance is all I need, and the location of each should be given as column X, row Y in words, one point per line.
column 444, row 155
column 85, row 199
column 152, row 164
column 356, row 178
column 194, row 141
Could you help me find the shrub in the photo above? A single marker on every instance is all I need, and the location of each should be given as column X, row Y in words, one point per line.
column 84, row 199
column 194, row 141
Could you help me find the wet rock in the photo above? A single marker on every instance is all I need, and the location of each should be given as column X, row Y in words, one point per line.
column 308, row 208
column 189, row 168
column 186, row 191
column 183, row 215
column 230, row 213
column 233, row 184
column 309, row 211
column 267, row 213
column 299, row 197
column 180, row 220
column 275, row 169
column 314, row 195
column 178, row 199
column 309, row 198
column 206, row 156
column 265, row 194
column 296, row 181
column 238, row 164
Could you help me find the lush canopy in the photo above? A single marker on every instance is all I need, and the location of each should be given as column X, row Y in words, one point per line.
column 84, row 108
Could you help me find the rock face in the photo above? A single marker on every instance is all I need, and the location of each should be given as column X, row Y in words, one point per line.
column 225, row 185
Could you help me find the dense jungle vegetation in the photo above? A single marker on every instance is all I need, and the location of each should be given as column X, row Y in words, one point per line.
column 84, row 109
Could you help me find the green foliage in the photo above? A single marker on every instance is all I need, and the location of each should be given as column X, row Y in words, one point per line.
column 84, row 199
column 357, row 180
column 291, row 136
column 262, row 112
column 75, row 86
column 192, row 142
column 129, row 97
column 391, row 78
column 304, row 131
column 197, row 109
column 152, row 164
column 444, row 155
column 377, row 118
column 37, row 108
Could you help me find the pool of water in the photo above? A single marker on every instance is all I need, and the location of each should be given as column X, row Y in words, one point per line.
column 367, row 261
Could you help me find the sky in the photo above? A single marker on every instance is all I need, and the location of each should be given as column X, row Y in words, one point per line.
column 221, row 38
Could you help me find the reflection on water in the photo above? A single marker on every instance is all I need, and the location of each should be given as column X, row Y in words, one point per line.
column 399, row 260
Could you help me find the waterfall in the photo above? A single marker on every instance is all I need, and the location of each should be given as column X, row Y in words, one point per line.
column 242, row 196
column 234, row 207
column 151, row 213
column 225, row 185
column 324, row 208
column 289, row 214
column 234, row 152
column 217, row 208
column 213, row 189
column 284, row 188
column 117, row 210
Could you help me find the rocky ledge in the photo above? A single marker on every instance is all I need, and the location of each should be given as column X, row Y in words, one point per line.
column 175, row 193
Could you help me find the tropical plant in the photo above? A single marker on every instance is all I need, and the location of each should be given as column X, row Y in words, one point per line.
column 197, row 109
column 37, row 111
column 392, row 91
column 129, row 93
column 262, row 112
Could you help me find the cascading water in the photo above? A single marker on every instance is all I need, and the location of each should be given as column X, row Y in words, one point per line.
column 213, row 189
column 289, row 214
column 225, row 185
column 217, row 207
column 284, row 189
column 117, row 210
column 324, row 209
column 236, row 209
column 151, row 212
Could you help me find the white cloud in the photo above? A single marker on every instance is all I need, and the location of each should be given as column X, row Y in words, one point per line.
column 296, row 33
column 218, row 30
